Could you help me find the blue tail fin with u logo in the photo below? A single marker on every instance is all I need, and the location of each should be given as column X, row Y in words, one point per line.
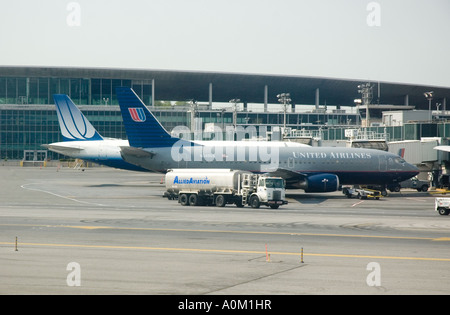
column 74, row 126
column 142, row 128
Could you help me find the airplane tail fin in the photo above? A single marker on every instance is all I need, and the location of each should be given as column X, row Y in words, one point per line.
column 74, row 125
column 143, row 129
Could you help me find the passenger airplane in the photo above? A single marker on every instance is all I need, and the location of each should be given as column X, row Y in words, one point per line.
column 82, row 141
column 313, row 169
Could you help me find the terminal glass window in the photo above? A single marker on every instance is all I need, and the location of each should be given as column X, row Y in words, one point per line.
column 96, row 91
column 2, row 90
column 22, row 91
column 64, row 86
column 11, row 90
column 54, row 87
column 43, row 91
column 106, row 92
column 32, row 91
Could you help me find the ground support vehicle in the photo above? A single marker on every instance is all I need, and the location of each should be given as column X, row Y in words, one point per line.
column 362, row 193
column 414, row 183
column 197, row 187
column 442, row 205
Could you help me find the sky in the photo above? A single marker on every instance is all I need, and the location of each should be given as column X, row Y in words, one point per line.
column 385, row 40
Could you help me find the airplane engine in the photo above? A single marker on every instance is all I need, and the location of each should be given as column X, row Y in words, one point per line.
column 322, row 183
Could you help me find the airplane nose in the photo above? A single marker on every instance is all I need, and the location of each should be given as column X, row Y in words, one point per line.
column 411, row 170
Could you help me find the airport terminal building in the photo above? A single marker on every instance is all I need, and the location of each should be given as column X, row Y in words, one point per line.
column 28, row 118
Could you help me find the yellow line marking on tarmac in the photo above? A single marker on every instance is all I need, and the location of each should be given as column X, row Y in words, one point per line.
column 418, row 199
column 225, row 251
column 441, row 239
column 90, row 227
column 84, row 227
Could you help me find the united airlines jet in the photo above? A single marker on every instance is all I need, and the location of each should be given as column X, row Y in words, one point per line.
column 81, row 140
column 313, row 169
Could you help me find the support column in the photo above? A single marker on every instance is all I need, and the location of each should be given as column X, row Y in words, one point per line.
column 153, row 92
column 266, row 97
column 407, row 99
column 210, row 95
column 317, row 98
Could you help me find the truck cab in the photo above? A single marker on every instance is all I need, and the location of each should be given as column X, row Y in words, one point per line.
column 270, row 191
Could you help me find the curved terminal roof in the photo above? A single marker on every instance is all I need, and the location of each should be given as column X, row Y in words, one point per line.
column 249, row 88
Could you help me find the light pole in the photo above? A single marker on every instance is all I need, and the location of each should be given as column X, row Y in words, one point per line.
column 437, row 109
column 234, row 102
column 429, row 97
column 285, row 99
column 193, row 109
column 366, row 91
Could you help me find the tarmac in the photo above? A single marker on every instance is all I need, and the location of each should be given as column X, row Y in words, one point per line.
column 107, row 231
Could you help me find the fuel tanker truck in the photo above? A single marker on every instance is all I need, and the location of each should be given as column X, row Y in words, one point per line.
column 209, row 187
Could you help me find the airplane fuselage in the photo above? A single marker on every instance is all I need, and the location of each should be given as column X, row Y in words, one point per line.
column 313, row 169
column 104, row 152
column 351, row 165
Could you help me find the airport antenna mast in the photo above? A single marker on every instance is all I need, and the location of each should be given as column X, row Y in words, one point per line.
column 285, row 99
column 366, row 91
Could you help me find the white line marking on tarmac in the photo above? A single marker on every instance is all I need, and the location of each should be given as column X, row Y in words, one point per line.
column 355, row 204
column 64, row 197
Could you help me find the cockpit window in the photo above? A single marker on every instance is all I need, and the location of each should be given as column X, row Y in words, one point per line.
column 399, row 160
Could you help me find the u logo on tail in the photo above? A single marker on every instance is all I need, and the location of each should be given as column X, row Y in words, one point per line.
column 142, row 127
column 73, row 124
column 137, row 114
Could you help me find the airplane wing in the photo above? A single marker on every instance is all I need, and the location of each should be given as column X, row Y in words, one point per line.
column 289, row 176
column 62, row 149
column 135, row 156
column 285, row 174
column 445, row 148
column 132, row 152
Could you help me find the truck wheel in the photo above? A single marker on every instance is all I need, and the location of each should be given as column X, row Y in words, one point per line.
column 193, row 200
column 425, row 188
column 274, row 206
column 184, row 201
column 254, row 202
column 220, row 201
column 443, row 211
